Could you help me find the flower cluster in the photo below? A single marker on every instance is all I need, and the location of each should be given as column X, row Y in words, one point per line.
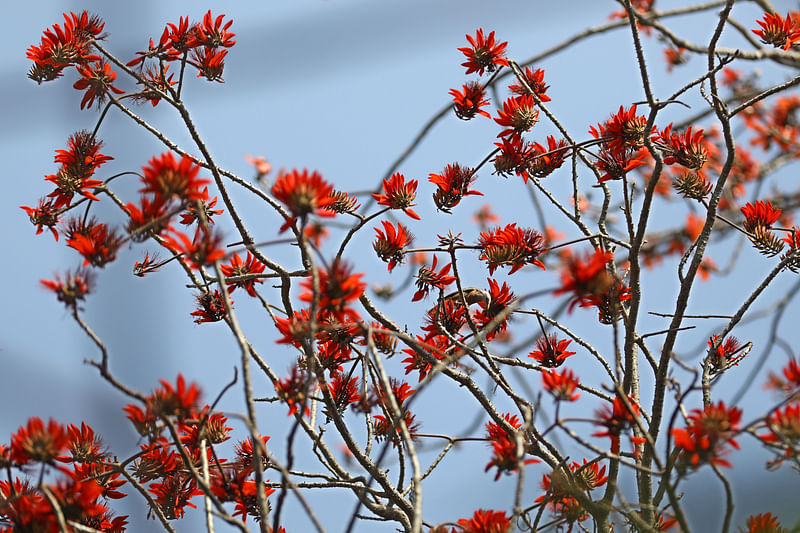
column 709, row 431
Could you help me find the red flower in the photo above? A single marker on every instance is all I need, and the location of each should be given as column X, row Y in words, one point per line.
column 725, row 354
column 534, row 80
column 179, row 401
column 78, row 164
column 38, row 443
column 62, row 47
column 344, row 392
column 561, row 386
column 687, row 150
column 210, row 307
column 98, row 80
column 500, row 299
column 586, row 278
column 486, row 522
column 84, row 445
column 784, row 428
column 338, row 288
column 518, row 114
column 778, row 31
column 147, row 265
column 205, row 249
column 614, row 166
column 151, row 219
column 544, row 160
column 617, row 419
column 434, row 345
column 514, row 158
column 622, row 131
column 210, row 63
column 250, row 268
column 166, row 178
column 294, row 390
column 44, row 215
column 203, row 215
column 295, row 329
column 504, row 447
column 173, row 493
column 156, row 84
column 389, row 246
column 427, row 277
column 792, row 373
column 75, row 286
column 399, row 194
column 483, row 53
column 383, row 428
column 708, row 432
column 764, row 523
column 760, row 214
column 511, row 246
column 589, row 475
column 453, row 184
column 551, row 352
column 212, row 33
column 469, row 103
column 303, row 193
column 95, row 242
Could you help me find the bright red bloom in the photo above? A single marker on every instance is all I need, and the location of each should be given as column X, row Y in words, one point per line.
column 173, row 493
column 344, row 392
column 179, row 401
column 96, row 243
column 390, row 246
column 514, row 158
column 617, row 419
column 44, row 215
column 504, row 447
column 448, row 317
column 589, row 475
column 792, row 373
column 62, row 47
column 784, row 428
column 544, row 160
column 83, row 445
column 146, row 265
column 210, row 307
column 294, row 390
column 725, row 355
column 561, row 386
column 383, row 428
column 167, row 178
column 427, row 278
column 75, row 286
column 303, row 193
column 764, row 523
column 204, row 249
column 486, row 522
column 675, row 57
column 622, row 131
column 614, row 166
column 98, row 80
column 103, row 476
column 295, row 329
column 519, row 114
column 78, row 164
column 152, row 219
column 38, row 443
column 535, row 80
column 687, row 150
column 338, row 288
column 778, row 31
column 708, row 432
column 551, row 352
column 760, row 214
column 483, row 53
column 587, row 277
column 250, row 267
column 453, row 184
column 156, row 83
column 435, row 346
column 469, row 103
column 212, row 33
column 500, row 299
column 511, row 246
column 210, row 63
column 399, row 194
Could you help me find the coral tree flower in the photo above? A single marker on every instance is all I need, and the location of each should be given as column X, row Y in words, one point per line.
column 586, row 277
column 535, row 80
column 483, row 53
column 75, row 286
column 551, row 352
column 65, row 46
column 303, row 193
column 452, row 185
column 687, row 150
column 504, row 447
column 98, row 80
column 210, row 307
column 36, row 442
column 97, row 243
column 709, row 430
column 399, row 194
column 390, row 245
column 167, row 178
column 518, row 115
column 759, row 214
column 485, row 522
column 562, row 386
column 339, row 287
column 468, row 103
column 428, row 278
column 44, row 215
column 250, row 267
column 78, row 164
column 617, row 419
column 204, row 249
column 778, row 31
column 511, row 246
column 500, row 299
